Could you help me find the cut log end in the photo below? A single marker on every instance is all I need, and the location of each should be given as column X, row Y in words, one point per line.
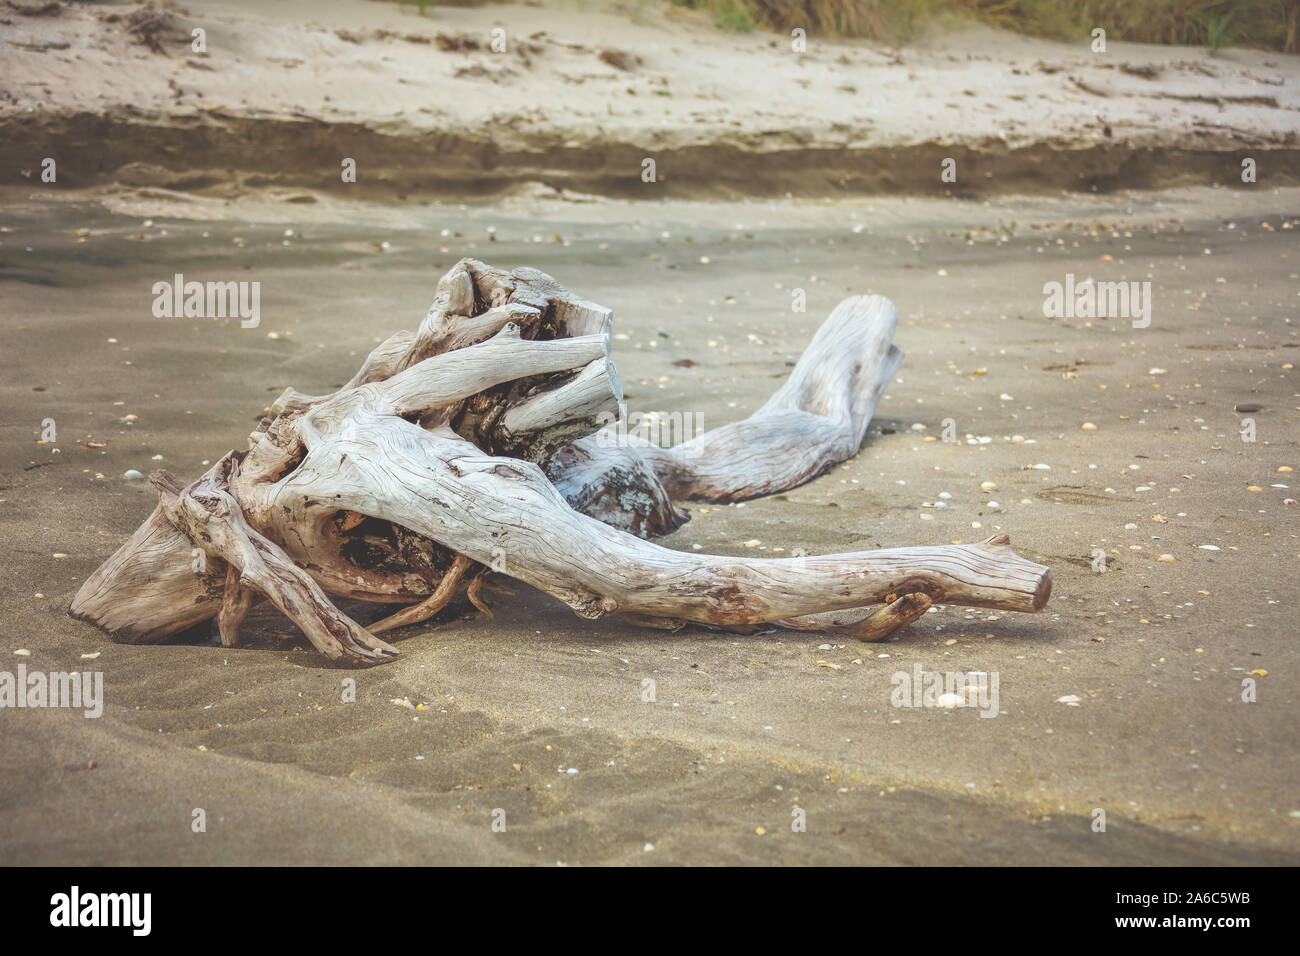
column 1040, row 578
column 1044, row 592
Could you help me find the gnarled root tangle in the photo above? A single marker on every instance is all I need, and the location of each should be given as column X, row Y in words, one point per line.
column 473, row 444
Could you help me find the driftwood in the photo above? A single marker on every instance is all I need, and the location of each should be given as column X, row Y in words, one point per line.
column 475, row 445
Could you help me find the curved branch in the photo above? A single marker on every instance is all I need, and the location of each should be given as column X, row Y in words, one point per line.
column 211, row 518
column 446, row 489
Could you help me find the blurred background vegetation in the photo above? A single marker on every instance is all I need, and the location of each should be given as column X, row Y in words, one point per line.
column 1267, row 24
column 1271, row 24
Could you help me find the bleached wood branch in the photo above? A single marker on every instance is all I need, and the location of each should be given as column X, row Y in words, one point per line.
column 474, row 440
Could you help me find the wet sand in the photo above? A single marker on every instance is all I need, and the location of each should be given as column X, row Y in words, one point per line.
column 744, row 730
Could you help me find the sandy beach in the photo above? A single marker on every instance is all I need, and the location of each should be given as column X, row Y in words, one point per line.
column 1124, row 694
column 578, row 97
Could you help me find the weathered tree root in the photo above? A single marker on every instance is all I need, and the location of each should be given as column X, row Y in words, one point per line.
column 876, row 625
column 207, row 514
column 476, row 441
column 435, row 602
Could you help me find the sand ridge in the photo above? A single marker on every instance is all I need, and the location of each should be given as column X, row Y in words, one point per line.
column 577, row 101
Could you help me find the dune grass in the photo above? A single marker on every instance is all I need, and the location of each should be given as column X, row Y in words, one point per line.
column 1267, row 24
column 1270, row 24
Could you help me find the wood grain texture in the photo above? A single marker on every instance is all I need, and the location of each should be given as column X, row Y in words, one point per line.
column 475, row 440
